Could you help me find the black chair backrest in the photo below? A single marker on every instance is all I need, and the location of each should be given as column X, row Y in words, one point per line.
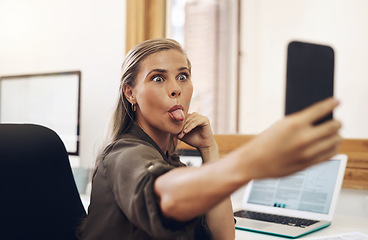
column 38, row 196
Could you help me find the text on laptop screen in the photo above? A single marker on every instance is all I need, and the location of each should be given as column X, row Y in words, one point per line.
column 309, row 190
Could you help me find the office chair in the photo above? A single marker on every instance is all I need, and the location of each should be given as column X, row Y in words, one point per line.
column 38, row 196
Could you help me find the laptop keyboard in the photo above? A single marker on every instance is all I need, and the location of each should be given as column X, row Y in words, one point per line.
column 291, row 221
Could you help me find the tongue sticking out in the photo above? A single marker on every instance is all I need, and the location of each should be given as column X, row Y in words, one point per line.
column 177, row 115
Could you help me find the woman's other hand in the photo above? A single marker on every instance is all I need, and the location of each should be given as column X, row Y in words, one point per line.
column 197, row 131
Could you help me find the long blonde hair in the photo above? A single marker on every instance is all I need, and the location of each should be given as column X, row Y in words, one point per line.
column 124, row 117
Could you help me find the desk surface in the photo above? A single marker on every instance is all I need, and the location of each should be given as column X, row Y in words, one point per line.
column 351, row 215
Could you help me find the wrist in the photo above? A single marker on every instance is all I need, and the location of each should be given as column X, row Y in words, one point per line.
column 210, row 153
column 242, row 164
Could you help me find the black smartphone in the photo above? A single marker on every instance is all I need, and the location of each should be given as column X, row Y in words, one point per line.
column 309, row 77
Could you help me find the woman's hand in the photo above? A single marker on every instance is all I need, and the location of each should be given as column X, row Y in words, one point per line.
column 197, row 131
column 293, row 143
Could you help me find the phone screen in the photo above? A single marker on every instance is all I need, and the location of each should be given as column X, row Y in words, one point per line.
column 310, row 76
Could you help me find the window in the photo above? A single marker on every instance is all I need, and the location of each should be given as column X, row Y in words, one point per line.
column 208, row 32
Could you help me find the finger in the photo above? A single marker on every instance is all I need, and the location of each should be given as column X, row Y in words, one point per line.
column 318, row 110
column 190, row 118
column 326, row 155
column 180, row 135
column 325, row 129
column 194, row 117
column 320, row 157
column 193, row 123
column 328, row 144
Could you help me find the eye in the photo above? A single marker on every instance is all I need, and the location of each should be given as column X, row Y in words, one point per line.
column 157, row 79
column 182, row 77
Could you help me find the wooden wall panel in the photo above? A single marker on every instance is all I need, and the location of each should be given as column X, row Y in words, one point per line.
column 356, row 174
column 145, row 19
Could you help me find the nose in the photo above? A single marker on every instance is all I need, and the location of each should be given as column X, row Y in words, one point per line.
column 174, row 89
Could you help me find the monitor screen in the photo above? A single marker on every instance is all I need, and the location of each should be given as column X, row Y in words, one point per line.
column 49, row 99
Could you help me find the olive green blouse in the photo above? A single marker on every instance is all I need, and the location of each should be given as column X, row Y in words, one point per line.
column 123, row 203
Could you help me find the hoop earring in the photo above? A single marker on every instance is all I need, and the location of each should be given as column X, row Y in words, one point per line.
column 134, row 107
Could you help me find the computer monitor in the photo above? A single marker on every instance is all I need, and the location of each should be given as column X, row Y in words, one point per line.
column 48, row 99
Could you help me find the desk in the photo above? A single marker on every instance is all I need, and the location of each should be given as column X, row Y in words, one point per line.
column 351, row 215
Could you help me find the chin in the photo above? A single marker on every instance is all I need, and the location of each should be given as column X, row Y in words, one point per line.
column 176, row 129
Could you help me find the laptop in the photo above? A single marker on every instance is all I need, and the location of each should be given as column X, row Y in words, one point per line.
column 295, row 205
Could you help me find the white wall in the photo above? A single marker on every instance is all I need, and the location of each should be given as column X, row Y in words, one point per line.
column 61, row 35
column 269, row 25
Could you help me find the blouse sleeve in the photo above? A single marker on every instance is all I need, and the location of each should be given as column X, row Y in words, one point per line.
column 131, row 174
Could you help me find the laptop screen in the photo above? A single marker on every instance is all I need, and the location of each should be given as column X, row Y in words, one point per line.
column 308, row 190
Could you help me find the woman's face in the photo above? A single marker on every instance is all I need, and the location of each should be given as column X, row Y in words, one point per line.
column 163, row 92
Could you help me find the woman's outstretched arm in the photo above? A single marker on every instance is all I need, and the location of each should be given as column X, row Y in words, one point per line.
column 290, row 145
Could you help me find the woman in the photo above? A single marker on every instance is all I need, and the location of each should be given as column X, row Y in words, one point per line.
column 140, row 189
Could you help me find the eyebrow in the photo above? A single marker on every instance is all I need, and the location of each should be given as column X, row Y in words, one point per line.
column 183, row 68
column 165, row 71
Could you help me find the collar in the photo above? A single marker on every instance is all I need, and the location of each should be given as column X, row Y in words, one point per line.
column 138, row 132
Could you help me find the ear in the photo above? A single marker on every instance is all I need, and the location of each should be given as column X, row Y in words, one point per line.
column 128, row 93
